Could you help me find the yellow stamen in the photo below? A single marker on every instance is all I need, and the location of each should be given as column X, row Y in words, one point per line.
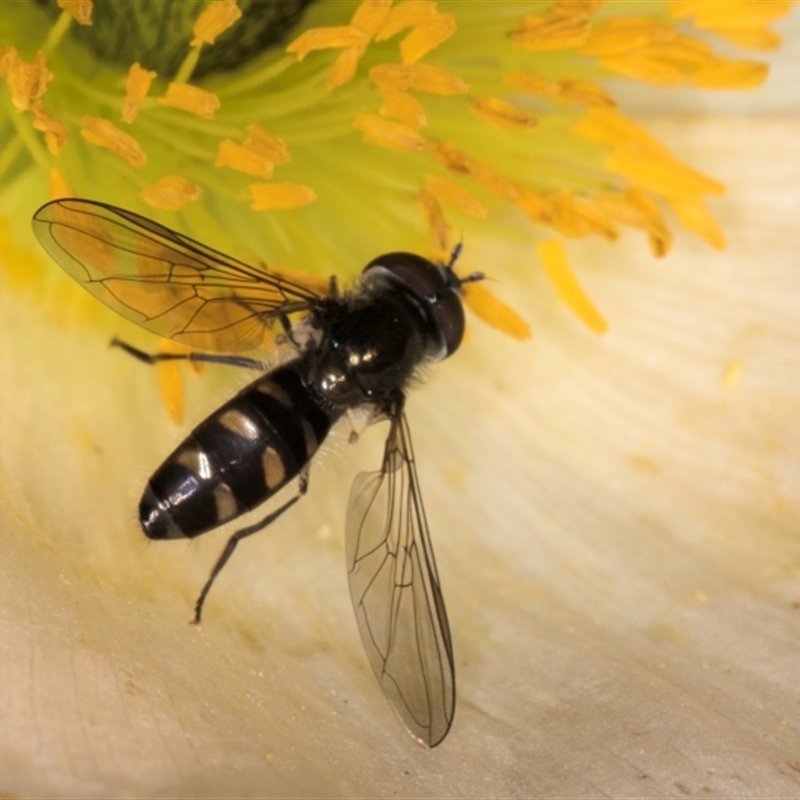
column 403, row 107
column 418, row 77
column 27, row 82
column 170, row 193
column 406, row 15
column 137, row 85
column 584, row 93
column 741, row 22
column 694, row 216
column 625, row 34
column 553, row 33
column 269, row 196
column 647, row 70
column 390, row 134
column 170, row 382
column 102, row 133
column 502, row 114
column 460, row 163
column 576, row 218
column 662, row 175
column 215, row 19
column 326, row 38
column 438, row 229
column 609, row 127
column 370, row 15
column 567, row 91
column 79, row 10
column 722, row 74
column 243, row 159
column 553, row 258
column 534, row 206
column 427, row 36
column 266, row 144
column 55, row 134
column 58, row 186
column 493, row 311
column 636, row 209
column 460, row 199
column 191, row 99
column 582, row 8
column 343, row 69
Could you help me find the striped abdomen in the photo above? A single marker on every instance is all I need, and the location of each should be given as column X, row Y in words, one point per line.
column 238, row 457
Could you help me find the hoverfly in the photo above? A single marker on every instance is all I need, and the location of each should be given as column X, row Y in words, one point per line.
column 359, row 350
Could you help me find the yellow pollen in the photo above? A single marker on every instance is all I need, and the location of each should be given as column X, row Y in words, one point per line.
column 58, row 186
column 426, row 36
column 410, row 14
column 215, row 19
column 418, row 77
column 438, row 229
column 275, row 196
column 79, row 10
column 636, row 209
column 553, row 258
column 568, row 91
column 662, row 175
column 654, row 52
column 463, row 164
column 625, row 34
column 741, row 22
column 694, row 216
column 502, row 114
column 102, row 133
column 534, row 206
column 460, row 199
column 577, row 8
column 390, row 134
column 370, row 15
column 606, row 126
column 137, row 85
column 721, row 74
column 343, row 69
column 272, row 147
column 55, row 134
column 552, row 33
column 403, row 107
column 326, row 38
column 191, row 99
column 27, row 82
column 243, row 159
column 576, row 218
column 495, row 312
column 170, row 193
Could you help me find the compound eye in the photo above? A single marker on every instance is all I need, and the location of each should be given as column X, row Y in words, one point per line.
column 416, row 272
column 430, row 285
column 449, row 314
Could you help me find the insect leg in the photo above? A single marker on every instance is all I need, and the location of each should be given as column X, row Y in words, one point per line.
column 210, row 358
column 237, row 537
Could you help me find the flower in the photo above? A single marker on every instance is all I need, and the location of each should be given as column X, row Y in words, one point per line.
column 612, row 517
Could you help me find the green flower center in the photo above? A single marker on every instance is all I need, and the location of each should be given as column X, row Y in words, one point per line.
column 155, row 33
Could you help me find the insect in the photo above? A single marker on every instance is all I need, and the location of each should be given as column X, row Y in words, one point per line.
column 353, row 351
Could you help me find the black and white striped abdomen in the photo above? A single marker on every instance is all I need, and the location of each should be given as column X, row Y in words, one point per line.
column 238, row 457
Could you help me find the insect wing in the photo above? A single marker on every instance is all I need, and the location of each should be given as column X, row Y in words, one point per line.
column 166, row 282
column 396, row 594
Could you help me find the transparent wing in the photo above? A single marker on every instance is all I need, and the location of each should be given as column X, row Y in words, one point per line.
column 166, row 282
column 396, row 594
